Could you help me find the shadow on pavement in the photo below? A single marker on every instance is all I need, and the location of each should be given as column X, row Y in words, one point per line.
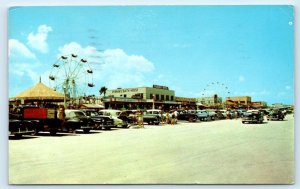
column 91, row 132
column 22, row 137
column 56, row 135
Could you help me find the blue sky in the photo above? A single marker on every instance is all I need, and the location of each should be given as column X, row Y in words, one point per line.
column 249, row 49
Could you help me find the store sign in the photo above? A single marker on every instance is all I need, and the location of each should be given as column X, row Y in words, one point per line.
column 125, row 90
column 160, row 87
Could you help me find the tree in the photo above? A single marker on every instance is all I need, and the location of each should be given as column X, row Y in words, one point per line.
column 103, row 90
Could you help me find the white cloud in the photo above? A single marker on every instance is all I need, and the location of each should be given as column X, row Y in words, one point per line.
column 16, row 48
column 241, row 78
column 113, row 67
column 38, row 40
column 287, row 87
column 23, row 65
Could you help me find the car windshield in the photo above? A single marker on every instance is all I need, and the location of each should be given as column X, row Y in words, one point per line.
column 94, row 113
column 79, row 114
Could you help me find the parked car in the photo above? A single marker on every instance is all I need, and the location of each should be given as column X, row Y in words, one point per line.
column 276, row 114
column 156, row 112
column 264, row 111
column 253, row 117
column 100, row 121
column 241, row 112
column 183, row 115
column 204, row 115
column 76, row 119
column 220, row 114
column 115, row 115
column 149, row 117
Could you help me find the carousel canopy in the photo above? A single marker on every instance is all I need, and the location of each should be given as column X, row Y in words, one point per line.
column 40, row 92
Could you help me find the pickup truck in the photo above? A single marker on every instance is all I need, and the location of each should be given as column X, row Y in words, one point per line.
column 31, row 120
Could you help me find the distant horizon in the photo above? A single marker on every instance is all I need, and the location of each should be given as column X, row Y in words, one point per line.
column 249, row 49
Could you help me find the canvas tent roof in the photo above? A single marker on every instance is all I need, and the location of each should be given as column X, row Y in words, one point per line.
column 40, row 92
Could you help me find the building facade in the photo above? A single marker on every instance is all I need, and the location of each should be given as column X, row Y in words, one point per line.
column 158, row 97
column 238, row 102
column 212, row 101
column 259, row 104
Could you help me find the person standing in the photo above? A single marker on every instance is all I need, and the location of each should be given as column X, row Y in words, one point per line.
column 173, row 118
column 140, row 119
column 167, row 118
column 176, row 115
column 61, row 116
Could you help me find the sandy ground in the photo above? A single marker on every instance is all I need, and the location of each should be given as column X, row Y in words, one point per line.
column 217, row 152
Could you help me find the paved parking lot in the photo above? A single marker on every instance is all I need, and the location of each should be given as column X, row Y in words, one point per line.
column 217, row 152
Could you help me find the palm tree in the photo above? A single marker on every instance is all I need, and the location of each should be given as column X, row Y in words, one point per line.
column 103, row 90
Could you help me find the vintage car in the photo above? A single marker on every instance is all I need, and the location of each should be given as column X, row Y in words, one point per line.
column 150, row 118
column 100, row 121
column 76, row 119
column 253, row 117
column 205, row 115
column 116, row 116
column 183, row 115
column 276, row 115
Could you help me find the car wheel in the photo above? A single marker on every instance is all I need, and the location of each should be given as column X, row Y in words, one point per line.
column 53, row 132
column 86, row 130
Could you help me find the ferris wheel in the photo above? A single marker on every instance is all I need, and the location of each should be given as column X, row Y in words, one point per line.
column 71, row 75
column 215, row 88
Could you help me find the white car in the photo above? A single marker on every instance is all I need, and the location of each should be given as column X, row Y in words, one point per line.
column 154, row 112
column 114, row 114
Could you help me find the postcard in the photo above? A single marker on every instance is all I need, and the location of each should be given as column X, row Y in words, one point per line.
column 173, row 94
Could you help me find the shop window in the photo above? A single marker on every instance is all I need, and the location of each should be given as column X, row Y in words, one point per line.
column 157, row 97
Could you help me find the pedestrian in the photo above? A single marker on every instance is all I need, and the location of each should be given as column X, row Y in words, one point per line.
column 61, row 116
column 228, row 114
column 176, row 115
column 140, row 119
column 236, row 114
column 167, row 118
column 173, row 118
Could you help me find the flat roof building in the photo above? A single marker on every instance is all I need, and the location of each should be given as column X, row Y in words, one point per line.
column 212, row 101
column 238, row 102
column 141, row 97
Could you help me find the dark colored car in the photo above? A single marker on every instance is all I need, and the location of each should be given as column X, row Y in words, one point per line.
column 99, row 121
column 253, row 117
column 76, row 119
column 187, row 116
column 276, row 115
